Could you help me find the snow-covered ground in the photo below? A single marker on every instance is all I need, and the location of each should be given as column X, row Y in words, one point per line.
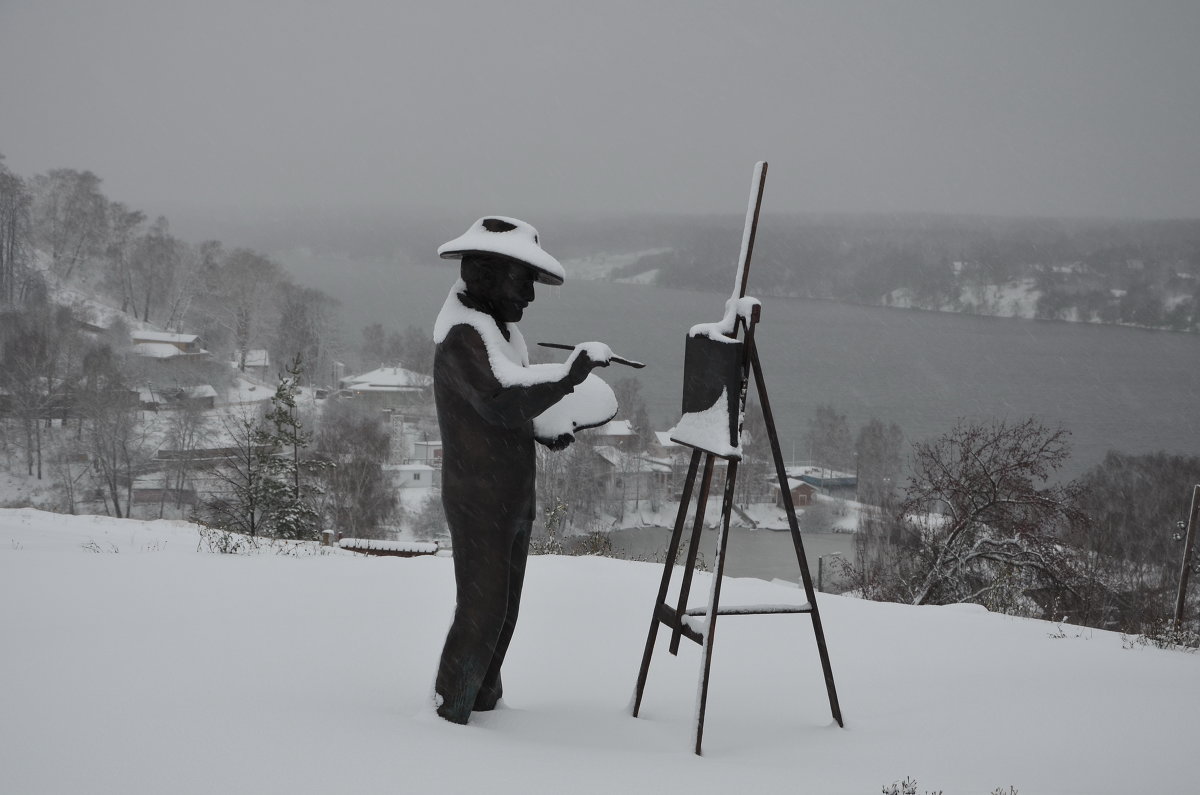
column 134, row 663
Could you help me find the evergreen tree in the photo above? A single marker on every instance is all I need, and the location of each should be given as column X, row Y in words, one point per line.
column 289, row 498
column 262, row 476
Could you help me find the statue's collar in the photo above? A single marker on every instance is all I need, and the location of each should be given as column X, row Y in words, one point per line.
column 472, row 302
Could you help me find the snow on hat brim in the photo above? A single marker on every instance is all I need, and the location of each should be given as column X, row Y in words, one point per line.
column 519, row 243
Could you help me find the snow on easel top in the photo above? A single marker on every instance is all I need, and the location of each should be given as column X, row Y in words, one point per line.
column 498, row 235
column 723, row 330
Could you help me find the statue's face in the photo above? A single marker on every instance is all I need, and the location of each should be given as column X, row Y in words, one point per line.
column 512, row 291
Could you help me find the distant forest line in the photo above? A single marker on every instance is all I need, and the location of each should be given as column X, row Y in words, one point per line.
column 1123, row 271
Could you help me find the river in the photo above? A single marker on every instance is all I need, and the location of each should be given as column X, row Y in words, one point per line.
column 1114, row 388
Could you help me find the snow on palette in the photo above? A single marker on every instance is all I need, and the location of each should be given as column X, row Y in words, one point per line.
column 591, row 404
column 709, row 428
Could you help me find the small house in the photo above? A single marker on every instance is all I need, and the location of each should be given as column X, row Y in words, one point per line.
column 803, row 493
column 391, row 388
column 614, row 433
column 429, row 452
column 155, row 340
column 412, row 476
column 257, row 364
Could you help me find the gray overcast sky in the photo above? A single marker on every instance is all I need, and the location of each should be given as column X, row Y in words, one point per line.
column 1016, row 108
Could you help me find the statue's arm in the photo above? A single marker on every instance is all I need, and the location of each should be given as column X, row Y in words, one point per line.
column 462, row 365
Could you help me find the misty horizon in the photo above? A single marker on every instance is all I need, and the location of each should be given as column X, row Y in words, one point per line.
column 543, row 110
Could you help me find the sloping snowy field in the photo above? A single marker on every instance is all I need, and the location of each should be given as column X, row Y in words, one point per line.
column 161, row 669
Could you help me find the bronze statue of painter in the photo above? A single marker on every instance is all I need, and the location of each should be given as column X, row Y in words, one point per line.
column 488, row 397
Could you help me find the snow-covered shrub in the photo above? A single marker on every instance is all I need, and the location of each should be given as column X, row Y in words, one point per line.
column 1163, row 634
column 550, row 543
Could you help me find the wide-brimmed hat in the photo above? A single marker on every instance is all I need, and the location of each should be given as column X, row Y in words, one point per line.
column 507, row 238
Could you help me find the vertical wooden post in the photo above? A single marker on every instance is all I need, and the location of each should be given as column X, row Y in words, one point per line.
column 1185, row 569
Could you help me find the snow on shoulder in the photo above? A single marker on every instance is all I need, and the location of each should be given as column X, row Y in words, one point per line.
column 591, row 404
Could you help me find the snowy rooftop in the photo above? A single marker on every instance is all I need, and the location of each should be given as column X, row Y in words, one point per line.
column 824, row 473
column 387, row 378
column 163, row 336
column 407, row 468
column 200, row 391
column 630, row 462
column 615, row 428
column 157, row 350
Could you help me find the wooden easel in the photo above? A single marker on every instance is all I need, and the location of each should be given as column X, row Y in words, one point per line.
column 699, row 624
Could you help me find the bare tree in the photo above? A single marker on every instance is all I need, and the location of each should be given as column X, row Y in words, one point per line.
column 186, row 432
column 878, row 461
column 70, row 217
column 247, row 285
column 358, row 499
column 980, row 522
column 153, row 268
column 307, row 327
column 15, row 230
column 124, row 225
column 570, row 478
column 979, row 505
column 233, row 498
column 828, row 438
column 35, row 342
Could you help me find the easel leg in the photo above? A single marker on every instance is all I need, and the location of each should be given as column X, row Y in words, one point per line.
column 794, row 527
column 689, row 567
column 665, row 583
column 714, row 600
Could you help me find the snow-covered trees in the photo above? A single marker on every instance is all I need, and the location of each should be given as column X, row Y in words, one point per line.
column 118, row 444
column 828, row 438
column 878, row 460
column 412, row 348
column 1136, row 505
column 980, row 521
column 38, row 357
column 264, row 484
column 357, row 498
column 15, row 230
column 70, row 218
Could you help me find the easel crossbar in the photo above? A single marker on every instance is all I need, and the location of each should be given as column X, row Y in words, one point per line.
column 752, row 610
column 673, row 619
column 667, row 616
